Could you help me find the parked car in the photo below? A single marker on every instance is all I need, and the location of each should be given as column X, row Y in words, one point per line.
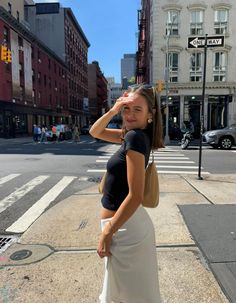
column 224, row 138
column 84, row 130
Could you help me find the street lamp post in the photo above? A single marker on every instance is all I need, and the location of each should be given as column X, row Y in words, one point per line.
column 167, row 79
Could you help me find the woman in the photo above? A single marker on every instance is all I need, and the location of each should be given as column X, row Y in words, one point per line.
column 127, row 239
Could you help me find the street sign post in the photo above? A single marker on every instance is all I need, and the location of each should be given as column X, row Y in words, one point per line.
column 212, row 41
column 204, row 42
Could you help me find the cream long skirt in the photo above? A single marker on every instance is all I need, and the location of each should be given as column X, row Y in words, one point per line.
column 131, row 274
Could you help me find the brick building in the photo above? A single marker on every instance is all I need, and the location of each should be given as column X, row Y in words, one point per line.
column 97, row 85
column 58, row 28
column 33, row 87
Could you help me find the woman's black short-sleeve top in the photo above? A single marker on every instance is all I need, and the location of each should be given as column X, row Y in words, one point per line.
column 116, row 184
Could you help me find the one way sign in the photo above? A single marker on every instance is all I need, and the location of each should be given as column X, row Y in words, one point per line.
column 199, row 42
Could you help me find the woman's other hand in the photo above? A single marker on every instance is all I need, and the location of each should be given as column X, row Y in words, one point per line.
column 104, row 243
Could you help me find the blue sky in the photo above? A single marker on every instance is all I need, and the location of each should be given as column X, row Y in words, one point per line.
column 110, row 26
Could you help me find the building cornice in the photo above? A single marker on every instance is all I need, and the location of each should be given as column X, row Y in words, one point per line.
column 72, row 16
column 172, row 6
column 198, row 85
column 221, row 5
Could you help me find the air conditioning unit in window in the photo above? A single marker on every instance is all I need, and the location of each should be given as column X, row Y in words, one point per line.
column 21, row 48
column 39, row 61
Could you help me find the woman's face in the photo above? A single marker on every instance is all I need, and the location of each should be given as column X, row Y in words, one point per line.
column 135, row 114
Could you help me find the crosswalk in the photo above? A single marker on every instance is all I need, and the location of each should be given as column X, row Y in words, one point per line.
column 168, row 161
column 27, row 197
column 37, row 196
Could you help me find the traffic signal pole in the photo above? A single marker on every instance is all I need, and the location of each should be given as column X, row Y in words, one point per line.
column 202, row 110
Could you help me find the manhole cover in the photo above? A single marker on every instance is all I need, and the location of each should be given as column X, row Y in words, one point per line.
column 6, row 241
column 21, row 255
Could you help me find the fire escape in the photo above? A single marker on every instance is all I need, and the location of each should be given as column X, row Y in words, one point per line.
column 141, row 69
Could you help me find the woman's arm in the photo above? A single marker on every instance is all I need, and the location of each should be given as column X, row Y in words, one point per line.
column 136, row 181
column 99, row 130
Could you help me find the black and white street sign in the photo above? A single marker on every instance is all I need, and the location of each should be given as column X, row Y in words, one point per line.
column 199, row 42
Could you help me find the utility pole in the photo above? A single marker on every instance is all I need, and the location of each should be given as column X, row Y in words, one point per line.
column 167, row 79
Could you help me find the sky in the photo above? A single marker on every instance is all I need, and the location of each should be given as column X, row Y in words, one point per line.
column 111, row 28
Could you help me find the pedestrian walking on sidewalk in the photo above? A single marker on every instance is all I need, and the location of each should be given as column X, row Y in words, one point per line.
column 76, row 137
column 43, row 134
column 127, row 240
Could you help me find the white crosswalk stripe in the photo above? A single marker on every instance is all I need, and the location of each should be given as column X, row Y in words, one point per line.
column 38, row 208
column 168, row 161
column 8, row 178
column 20, row 192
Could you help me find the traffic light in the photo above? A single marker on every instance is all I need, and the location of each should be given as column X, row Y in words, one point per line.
column 8, row 57
column 160, row 85
column 3, row 53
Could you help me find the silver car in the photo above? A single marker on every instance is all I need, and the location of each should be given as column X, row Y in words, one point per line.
column 224, row 138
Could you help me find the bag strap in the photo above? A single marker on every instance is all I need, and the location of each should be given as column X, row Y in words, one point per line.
column 152, row 156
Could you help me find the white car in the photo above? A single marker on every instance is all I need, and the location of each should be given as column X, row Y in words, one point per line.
column 224, row 138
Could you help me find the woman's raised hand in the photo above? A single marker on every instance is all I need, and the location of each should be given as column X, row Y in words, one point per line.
column 120, row 102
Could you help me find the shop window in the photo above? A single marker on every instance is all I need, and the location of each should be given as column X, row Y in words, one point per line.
column 196, row 23
column 219, row 66
column 221, row 21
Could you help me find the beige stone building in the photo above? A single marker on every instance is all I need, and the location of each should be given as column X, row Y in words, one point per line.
column 171, row 23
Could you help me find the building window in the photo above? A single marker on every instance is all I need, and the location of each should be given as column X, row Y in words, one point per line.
column 33, row 95
column 221, row 21
column 196, row 23
column 9, row 7
column 18, row 16
column 49, row 82
column 21, row 69
column 39, row 57
column 39, row 97
column 196, row 67
column 220, row 66
column 173, row 62
column 6, row 34
column 39, row 77
column 172, row 23
column 32, row 52
column 49, row 64
column 45, row 80
column 20, row 41
column 33, row 75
